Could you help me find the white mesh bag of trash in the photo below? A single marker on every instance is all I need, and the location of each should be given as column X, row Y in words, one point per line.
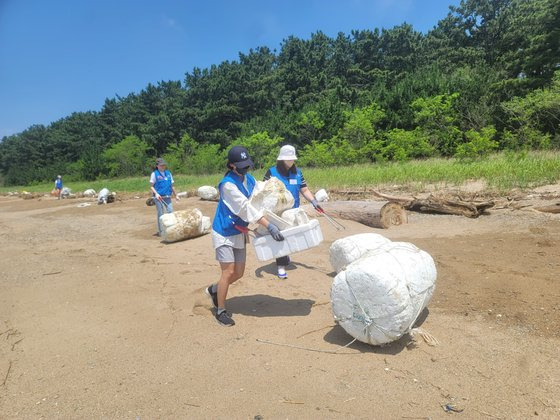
column 208, row 193
column 347, row 250
column 272, row 195
column 378, row 297
column 184, row 224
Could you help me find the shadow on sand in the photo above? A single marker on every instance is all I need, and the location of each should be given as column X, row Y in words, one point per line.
column 269, row 306
column 338, row 336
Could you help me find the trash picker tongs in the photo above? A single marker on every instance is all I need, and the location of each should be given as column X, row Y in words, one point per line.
column 337, row 225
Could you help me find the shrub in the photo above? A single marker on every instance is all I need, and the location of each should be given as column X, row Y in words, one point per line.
column 359, row 129
column 262, row 148
column 403, row 145
column 333, row 152
column 479, row 144
column 127, row 157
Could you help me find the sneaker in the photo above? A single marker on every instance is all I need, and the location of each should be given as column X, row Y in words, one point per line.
column 225, row 319
column 282, row 272
column 213, row 296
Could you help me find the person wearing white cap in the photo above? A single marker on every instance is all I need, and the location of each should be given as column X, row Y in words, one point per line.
column 287, row 172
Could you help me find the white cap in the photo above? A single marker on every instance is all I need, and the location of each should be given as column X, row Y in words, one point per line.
column 287, row 152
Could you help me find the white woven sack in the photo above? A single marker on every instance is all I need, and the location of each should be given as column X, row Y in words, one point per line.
column 272, row 195
column 103, row 196
column 347, row 250
column 89, row 193
column 378, row 298
column 184, row 224
column 208, row 193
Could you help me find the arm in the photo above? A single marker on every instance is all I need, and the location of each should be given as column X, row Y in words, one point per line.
column 306, row 192
column 242, row 207
column 239, row 204
column 155, row 193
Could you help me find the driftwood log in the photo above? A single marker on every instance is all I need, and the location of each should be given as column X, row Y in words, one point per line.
column 377, row 214
column 432, row 204
column 555, row 208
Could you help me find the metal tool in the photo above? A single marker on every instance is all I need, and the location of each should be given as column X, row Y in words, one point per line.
column 162, row 201
column 337, row 225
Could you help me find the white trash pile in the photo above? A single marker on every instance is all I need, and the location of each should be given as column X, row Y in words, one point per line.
column 299, row 232
column 381, row 287
column 272, row 195
column 105, row 196
column 184, row 224
column 208, row 193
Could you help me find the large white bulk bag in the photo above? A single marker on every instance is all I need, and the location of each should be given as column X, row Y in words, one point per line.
column 89, row 193
column 347, row 250
column 65, row 192
column 208, row 193
column 103, row 196
column 272, row 195
column 184, row 224
column 378, row 297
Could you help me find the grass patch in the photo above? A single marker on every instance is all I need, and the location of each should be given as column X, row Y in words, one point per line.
column 502, row 172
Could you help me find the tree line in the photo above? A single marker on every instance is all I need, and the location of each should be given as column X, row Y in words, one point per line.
column 486, row 77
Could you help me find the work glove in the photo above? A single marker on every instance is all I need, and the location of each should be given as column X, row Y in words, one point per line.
column 275, row 232
column 316, row 205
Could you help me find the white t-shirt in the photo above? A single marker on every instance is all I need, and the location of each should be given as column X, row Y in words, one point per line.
column 153, row 178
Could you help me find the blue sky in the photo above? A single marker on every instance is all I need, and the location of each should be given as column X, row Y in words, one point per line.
column 57, row 57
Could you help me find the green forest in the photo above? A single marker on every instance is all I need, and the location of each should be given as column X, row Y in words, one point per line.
column 485, row 78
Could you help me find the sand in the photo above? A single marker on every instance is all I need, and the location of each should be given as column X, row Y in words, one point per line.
column 98, row 318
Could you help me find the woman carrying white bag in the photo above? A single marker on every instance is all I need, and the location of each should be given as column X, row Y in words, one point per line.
column 287, row 172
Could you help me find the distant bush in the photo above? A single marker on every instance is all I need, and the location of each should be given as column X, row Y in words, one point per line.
column 262, row 148
column 404, row 145
column 480, row 144
column 190, row 157
column 333, row 152
column 127, row 158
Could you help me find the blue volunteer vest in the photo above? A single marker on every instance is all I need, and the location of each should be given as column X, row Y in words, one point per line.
column 225, row 219
column 163, row 183
column 292, row 183
column 58, row 184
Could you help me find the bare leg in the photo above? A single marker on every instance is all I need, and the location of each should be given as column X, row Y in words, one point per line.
column 231, row 272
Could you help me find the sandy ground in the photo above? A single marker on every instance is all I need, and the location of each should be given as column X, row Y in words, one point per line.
column 98, row 318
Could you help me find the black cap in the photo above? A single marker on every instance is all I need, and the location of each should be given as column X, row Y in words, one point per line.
column 239, row 156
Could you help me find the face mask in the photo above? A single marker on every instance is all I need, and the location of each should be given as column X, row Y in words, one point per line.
column 242, row 171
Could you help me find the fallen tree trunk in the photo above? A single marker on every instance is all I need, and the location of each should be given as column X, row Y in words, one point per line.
column 377, row 214
column 433, row 204
column 555, row 208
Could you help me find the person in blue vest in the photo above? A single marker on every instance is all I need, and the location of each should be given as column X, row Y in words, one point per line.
column 58, row 186
column 161, row 185
column 229, row 229
column 287, row 172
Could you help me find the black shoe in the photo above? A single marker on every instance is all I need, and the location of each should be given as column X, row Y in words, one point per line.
column 225, row 319
column 213, row 296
